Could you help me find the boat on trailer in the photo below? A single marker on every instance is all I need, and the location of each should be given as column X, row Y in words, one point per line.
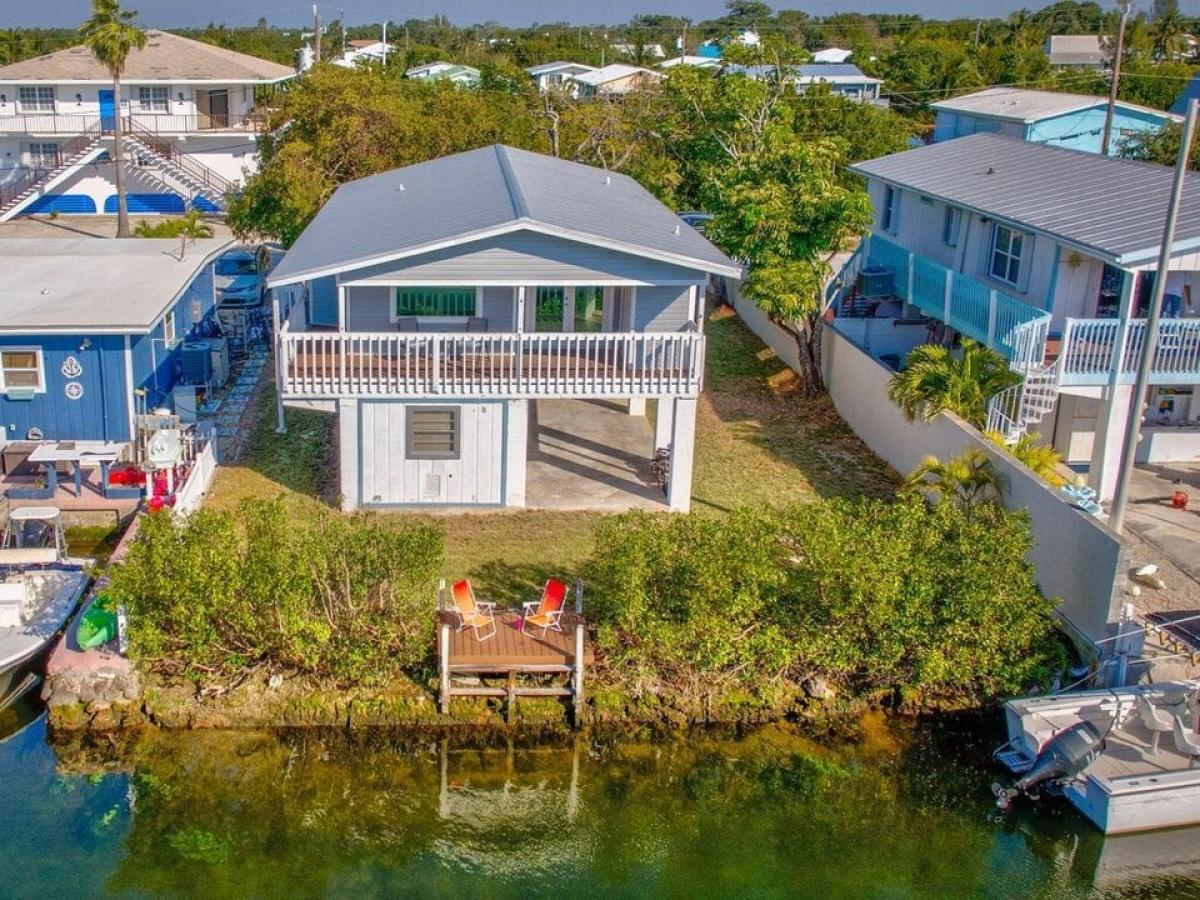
column 40, row 586
column 1127, row 758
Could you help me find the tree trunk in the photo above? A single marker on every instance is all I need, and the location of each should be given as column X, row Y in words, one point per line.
column 807, row 332
column 119, row 162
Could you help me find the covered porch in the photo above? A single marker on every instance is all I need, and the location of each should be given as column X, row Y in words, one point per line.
column 535, row 340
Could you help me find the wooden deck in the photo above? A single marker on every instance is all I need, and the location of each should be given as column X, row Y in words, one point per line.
column 513, row 650
column 519, row 657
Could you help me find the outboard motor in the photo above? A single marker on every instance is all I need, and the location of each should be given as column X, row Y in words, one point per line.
column 1064, row 756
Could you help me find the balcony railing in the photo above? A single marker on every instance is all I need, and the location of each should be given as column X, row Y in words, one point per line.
column 1094, row 350
column 973, row 308
column 158, row 123
column 357, row 364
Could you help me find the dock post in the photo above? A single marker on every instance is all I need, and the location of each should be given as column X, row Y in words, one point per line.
column 577, row 662
column 443, row 648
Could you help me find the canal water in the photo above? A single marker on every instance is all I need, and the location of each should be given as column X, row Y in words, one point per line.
column 901, row 811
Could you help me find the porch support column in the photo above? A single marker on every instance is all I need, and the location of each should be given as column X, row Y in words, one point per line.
column 520, row 312
column 683, row 441
column 341, row 301
column 349, row 453
column 280, row 362
column 1111, row 418
column 664, row 421
column 568, row 309
column 1112, row 415
column 517, row 443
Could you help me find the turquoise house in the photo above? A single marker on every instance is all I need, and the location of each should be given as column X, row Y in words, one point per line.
column 91, row 331
column 1073, row 121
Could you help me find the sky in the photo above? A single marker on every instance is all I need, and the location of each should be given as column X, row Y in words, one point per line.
column 182, row 13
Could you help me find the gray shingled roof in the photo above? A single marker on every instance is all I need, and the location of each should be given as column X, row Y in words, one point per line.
column 1112, row 208
column 166, row 57
column 458, row 198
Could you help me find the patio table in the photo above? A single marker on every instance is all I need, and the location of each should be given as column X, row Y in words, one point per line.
column 76, row 453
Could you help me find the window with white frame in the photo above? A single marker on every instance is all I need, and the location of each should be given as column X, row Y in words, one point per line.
column 432, row 432
column 950, row 226
column 1008, row 245
column 888, row 218
column 36, row 98
column 21, row 369
column 169, row 328
column 43, row 155
column 154, row 98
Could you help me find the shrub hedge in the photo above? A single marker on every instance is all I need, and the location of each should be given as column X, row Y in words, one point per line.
column 870, row 594
column 217, row 593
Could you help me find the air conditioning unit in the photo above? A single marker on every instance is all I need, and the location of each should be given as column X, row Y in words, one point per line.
column 220, row 361
column 195, row 362
column 875, row 282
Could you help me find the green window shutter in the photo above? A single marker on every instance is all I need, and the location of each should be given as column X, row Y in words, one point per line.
column 435, row 301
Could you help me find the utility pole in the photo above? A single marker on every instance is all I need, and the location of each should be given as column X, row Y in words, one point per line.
column 683, row 44
column 1133, row 426
column 1116, row 79
column 978, row 25
column 317, row 31
column 385, row 43
column 342, row 19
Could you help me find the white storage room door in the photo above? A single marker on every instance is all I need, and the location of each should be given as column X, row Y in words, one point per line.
column 391, row 476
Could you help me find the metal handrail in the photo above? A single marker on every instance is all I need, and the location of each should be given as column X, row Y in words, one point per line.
column 197, row 170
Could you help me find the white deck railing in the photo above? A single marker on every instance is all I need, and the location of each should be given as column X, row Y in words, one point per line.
column 1091, row 351
column 356, row 364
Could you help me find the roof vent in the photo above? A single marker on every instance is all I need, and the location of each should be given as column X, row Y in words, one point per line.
column 677, row 229
column 400, row 187
column 607, row 180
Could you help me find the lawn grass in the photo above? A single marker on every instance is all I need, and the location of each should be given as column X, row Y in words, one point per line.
column 759, row 442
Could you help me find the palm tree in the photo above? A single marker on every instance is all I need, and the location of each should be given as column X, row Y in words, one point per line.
column 1042, row 459
column 936, row 380
column 110, row 34
column 967, row 479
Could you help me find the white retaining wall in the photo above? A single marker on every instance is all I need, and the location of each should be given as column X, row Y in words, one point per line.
column 1078, row 559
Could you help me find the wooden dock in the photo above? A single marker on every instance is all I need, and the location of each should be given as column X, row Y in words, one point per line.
column 513, row 653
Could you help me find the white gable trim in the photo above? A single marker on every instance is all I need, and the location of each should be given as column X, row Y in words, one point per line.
column 515, row 225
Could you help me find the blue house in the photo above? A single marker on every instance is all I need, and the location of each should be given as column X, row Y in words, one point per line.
column 1074, row 121
column 91, row 329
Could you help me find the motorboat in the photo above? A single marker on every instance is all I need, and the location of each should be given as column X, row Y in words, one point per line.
column 1127, row 758
column 40, row 587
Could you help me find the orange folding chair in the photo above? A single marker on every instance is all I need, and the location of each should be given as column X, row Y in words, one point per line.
column 471, row 613
column 546, row 613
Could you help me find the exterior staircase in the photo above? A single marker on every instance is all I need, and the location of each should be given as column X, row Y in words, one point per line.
column 176, row 171
column 29, row 185
column 1014, row 411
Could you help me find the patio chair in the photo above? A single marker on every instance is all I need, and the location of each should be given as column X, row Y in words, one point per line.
column 1187, row 741
column 471, row 613
column 1154, row 719
column 546, row 613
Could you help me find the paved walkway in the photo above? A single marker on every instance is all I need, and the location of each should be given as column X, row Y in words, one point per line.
column 232, row 406
column 589, row 454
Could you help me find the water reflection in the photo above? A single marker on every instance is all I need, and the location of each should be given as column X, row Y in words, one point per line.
column 768, row 814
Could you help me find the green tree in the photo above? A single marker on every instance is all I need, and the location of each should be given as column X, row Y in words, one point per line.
column 936, row 379
column 1160, row 147
column 966, row 479
column 777, row 197
column 111, row 35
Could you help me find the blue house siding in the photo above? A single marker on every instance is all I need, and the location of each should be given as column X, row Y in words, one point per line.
column 97, row 406
column 98, row 413
column 154, row 365
column 1085, row 130
column 1080, row 130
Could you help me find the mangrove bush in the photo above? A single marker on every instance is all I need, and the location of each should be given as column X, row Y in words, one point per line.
column 219, row 594
column 871, row 595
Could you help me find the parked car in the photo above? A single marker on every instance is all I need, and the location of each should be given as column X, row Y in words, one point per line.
column 697, row 219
